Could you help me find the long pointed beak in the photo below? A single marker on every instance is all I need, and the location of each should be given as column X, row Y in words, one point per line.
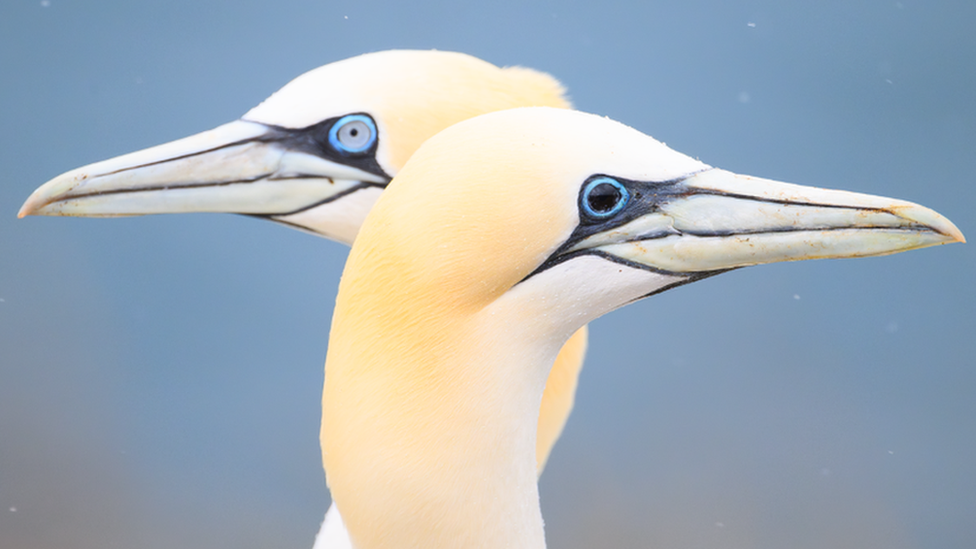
column 717, row 220
column 241, row 167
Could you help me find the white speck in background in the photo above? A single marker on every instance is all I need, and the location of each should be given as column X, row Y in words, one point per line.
column 892, row 327
column 796, row 297
column 753, row 25
column 13, row 509
column 45, row 3
column 744, row 97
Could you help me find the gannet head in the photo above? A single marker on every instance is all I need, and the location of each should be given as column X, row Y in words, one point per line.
column 456, row 297
column 551, row 190
column 315, row 155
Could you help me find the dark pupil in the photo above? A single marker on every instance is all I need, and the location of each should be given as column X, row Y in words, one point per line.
column 603, row 197
column 353, row 132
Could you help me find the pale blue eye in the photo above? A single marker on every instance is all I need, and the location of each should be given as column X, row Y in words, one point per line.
column 353, row 134
column 603, row 197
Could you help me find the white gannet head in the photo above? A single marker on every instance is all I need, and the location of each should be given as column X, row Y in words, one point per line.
column 314, row 155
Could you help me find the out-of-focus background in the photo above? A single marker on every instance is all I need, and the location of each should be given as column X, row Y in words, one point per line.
column 160, row 376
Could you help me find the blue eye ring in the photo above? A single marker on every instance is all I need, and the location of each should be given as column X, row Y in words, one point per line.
column 603, row 197
column 347, row 134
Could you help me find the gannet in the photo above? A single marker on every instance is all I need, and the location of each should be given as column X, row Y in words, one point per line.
column 499, row 238
column 315, row 156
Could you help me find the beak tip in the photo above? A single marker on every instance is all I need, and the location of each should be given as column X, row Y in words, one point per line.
column 30, row 207
column 41, row 198
column 950, row 230
column 930, row 219
column 49, row 194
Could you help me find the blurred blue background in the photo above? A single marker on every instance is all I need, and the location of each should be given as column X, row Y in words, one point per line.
column 160, row 376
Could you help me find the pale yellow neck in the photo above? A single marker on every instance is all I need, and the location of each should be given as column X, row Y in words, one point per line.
column 429, row 428
column 437, row 356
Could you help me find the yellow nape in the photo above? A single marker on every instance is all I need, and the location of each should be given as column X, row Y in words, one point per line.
column 501, row 237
